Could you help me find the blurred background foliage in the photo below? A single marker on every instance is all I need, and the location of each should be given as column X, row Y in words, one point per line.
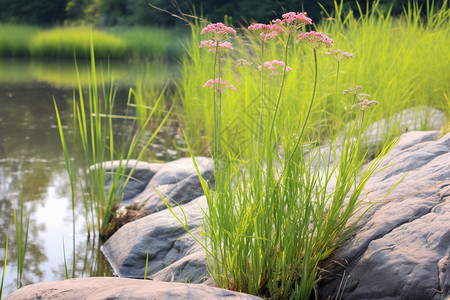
column 138, row 12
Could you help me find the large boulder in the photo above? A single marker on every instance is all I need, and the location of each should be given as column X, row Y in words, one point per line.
column 102, row 288
column 400, row 249
column 173, row 255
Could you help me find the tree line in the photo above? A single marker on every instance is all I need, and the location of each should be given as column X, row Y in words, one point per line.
column 139, row 12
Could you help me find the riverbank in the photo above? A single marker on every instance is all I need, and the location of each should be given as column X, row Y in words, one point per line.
column 115, row 42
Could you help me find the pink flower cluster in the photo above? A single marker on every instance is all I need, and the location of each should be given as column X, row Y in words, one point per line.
column 338, row 54
column 218, row 30
column 294, row 18
column 315, row 39
column 364, row 102
column 275, row 66
column 354, row 90
column 212, row 44
column 266, row 31
column 219, row 84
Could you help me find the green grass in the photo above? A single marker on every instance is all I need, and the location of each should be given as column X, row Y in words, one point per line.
column 74, row 41
column 14, row 39
column 4, row 267
column 137, row 43
column 400, row 62
column 94, row 118
column 274, row 215
column 21, row 240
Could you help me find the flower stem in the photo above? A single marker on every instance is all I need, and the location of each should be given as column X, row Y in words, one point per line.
column 282, row 85
column 310, row 106
column 216, row 149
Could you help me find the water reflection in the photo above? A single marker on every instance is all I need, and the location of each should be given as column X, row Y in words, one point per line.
column 62, row 74
column 32, row 166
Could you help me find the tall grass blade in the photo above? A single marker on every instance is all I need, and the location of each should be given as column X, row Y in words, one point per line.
column 21, row 240
column 4, row 267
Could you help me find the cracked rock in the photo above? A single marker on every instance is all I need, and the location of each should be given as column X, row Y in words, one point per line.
column 400, row 249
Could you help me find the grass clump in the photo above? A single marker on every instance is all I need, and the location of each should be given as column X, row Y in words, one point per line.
column 288, row 143
column 95, row 120
column 67, row 41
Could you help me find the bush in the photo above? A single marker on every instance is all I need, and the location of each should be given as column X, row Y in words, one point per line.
column 65, row 42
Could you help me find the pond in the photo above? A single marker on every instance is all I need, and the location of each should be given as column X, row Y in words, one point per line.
column 32, row 165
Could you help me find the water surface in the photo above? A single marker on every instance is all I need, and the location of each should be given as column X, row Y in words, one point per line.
column 32, row 165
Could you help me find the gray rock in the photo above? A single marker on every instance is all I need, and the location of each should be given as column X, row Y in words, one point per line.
column 102, row 288
column 140, row 178
column 177, row 170
column 186, row 189
column 167, row 243
column 400, row 249
column 412, row 119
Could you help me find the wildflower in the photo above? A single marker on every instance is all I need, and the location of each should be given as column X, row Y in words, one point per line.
column 243, row 62
column 274, row 66
column 265, row 31
column 352, row 90
column 219, row 84
column 364, row 102
column 315, row 39
column 363, row 96
column 294, row 19
column 218, row 31
column 213, row 45
column 338, row 54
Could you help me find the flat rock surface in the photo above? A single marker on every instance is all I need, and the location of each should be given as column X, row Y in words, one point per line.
column 99, row 288
column 401, row 247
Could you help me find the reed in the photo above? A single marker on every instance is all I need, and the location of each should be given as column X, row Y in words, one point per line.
column 4, row 267
column 21, row 226
column 95, row 122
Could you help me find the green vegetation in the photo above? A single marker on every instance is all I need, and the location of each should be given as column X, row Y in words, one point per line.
column 138, row 12
column 143, row 42
column 4, row 267
column 95, row 120
column 21, row 240
column 14, row 39
column 275, row 214
column 65, row 42
column 387, row 52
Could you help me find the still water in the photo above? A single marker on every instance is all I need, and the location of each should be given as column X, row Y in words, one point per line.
column 32, row 167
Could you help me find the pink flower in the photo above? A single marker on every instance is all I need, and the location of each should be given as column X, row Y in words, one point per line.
column 219, row 84
column 292, row 17
column 218, row 31
column 213, row 44
column 364, row 102
column 265, row 31
column 338, row 54
column 315, row 39
column 352, row 90
column 293, row 21
column 275, row 66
